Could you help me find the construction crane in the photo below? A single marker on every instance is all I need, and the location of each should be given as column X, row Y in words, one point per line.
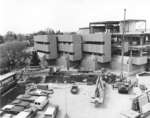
column 126, row 85
column 122, row 43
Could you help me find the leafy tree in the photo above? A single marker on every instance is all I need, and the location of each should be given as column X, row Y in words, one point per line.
column 58, row 32
column 13, row 55
column 21, row 37
column 29, row 38
column 1, row 39
column 10, row 36
column 50, row 31
column 45, row 32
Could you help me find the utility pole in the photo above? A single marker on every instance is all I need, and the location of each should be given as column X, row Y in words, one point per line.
column 122, row 53
column 129, row 61
column 66, row 114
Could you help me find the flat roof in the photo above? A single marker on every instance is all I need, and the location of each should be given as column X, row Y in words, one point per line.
column 84, row 28
column 105, row 22
column 117, row 22
column 133, row 20
column 136, row 34
column 6, row 75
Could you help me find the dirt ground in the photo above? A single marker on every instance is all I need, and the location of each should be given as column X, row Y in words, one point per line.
column 80, row 106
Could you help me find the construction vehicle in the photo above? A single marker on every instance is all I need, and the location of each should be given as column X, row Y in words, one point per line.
column 99, row 92
column 125, row 87
column 126, row 84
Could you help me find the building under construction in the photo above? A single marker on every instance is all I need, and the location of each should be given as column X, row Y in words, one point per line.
column 99, row 45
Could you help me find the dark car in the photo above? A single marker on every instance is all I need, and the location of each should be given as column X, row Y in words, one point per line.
column 17, row 101
column 124, row 88
column 33, row 111
column 74, row 89
column 14, row 110
column 24, row 104
column 17, row 109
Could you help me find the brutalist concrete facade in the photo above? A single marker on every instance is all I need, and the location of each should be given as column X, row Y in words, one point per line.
column 98, row 44
column 70, row 45
column 84, row 51
column 46, row 45
column 96, row 50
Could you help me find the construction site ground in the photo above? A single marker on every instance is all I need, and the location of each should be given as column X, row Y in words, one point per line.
column 80, row 106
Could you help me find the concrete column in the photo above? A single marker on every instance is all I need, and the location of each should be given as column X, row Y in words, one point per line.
column 146, row 38
column 130, row 63
column 141, row 43
column 141, row 40
column 141, row 52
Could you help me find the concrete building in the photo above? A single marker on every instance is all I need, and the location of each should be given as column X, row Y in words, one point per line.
column 83, row 30
column 136, row 46
column 133, row 26
column 99, row 45
column 96, row 49
column 69, row 49
column 136, row 51
column 70, row 45
column 104, row 26
column 46, row 45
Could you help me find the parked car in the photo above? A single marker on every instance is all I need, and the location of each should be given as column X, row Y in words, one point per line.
column 51, row 111
column 39, row 92
column 12, row 109
column 74, row 89
column 25, row 98
column 17, row 101
column 41, row 102
column 28, row 113
column 24, row 104
column 123, row 88
column 16, row 109
column 7, row 115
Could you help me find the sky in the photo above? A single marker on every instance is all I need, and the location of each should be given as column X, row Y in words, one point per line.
column 28, row 16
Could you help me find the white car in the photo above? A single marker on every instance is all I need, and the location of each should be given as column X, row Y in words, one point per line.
column 143, row 80
column 51, row 111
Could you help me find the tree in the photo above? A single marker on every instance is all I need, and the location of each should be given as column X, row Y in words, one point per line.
column 1, row 39
column 21, row 37
column 58, row 32
column 45, row 32
column 10, row 36
column 13, row 55
column 35, row 61
column 29, row 38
